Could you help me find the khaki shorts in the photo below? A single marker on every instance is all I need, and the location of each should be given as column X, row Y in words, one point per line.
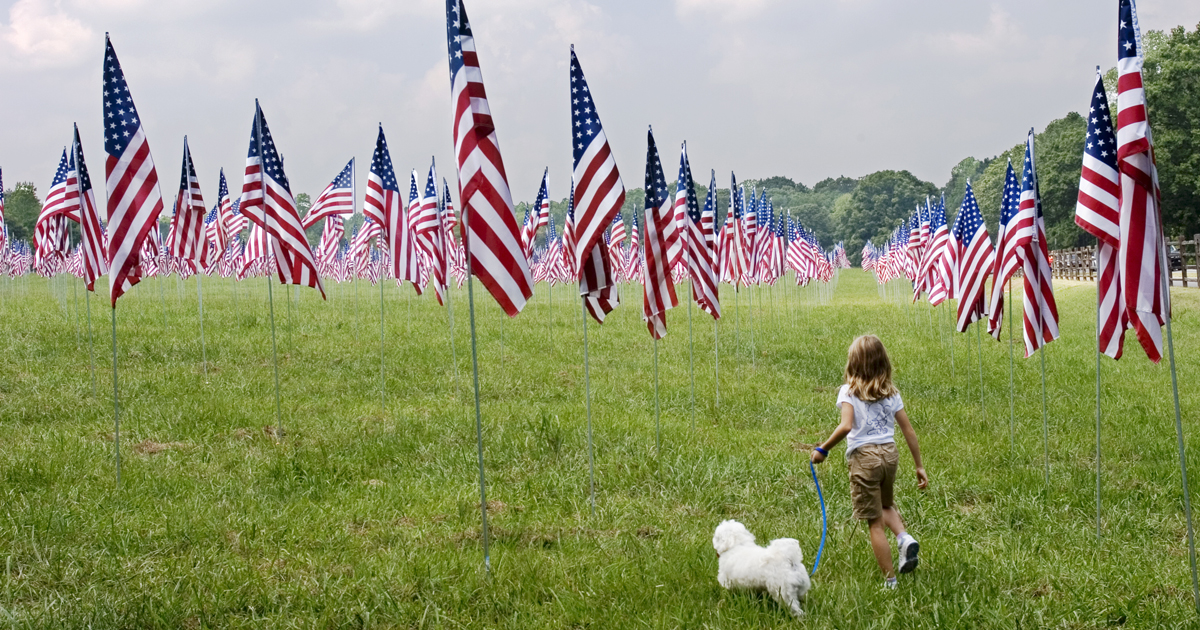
column 872, row 477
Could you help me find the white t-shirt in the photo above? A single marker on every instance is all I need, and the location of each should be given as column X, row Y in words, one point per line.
column 874, row 422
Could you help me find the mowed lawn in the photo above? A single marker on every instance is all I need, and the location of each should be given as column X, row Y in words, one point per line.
column 362, row 510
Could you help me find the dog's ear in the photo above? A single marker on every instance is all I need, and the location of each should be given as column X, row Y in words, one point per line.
column 724, row 538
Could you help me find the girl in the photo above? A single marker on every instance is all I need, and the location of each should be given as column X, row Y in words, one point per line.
column 871, row 407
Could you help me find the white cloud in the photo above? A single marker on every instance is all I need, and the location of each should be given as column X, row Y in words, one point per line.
column 39, row 34
column 725, row 9
column 1001, row 34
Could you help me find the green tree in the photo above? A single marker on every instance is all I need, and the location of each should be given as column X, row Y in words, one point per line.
column 880, row 202
column 955, row 189
column 841, row 185
column 313, row 233
column 21, row 209
column 1172, row 78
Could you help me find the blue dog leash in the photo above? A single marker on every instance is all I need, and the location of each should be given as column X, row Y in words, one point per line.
column 824, row 520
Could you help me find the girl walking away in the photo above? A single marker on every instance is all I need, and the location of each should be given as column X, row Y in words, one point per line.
column 871, row 408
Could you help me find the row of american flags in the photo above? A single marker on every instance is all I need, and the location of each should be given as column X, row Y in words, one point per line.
column 413, row 238
column 1118, row 203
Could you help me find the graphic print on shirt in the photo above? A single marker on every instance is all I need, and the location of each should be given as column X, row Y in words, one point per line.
column 877, row 418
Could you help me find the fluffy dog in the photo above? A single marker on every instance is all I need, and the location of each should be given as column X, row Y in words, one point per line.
column 777, row 569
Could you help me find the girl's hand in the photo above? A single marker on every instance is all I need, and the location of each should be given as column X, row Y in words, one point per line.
column 922, row 479
column 817, row 457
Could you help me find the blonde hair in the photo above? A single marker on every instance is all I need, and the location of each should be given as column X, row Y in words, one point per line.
column 869, row 370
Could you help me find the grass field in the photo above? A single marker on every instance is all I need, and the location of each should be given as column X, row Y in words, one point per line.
column 354, row 515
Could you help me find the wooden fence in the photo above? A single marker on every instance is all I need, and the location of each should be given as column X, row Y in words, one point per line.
column 1080, row 263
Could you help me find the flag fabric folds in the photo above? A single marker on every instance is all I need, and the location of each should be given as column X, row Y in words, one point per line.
column 597, row 196
column 267, row 201
column 1142, row 252
column 489, row 228
column 658, row 292
column 134, row 198
column 186, row 242
column 336, row 200
column 1097, row 211
column 1041, row 310
column 975, row 260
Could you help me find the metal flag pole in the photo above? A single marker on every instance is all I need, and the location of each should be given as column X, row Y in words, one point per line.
column 75, row 290
column 87, row 299
column 587, row 396
column 116, row 400
column 657, row 424
column 288, row 299
column 203, row 350
column 382, row 339
column 717, row 360
column 275, row 360
column 692, row 355
column 1098, row 354
column 1012, row 412
column 979, row 339
column 355, row 281
column 487, row 559
column 1045, row 423
column 750, row 314
column 953, row 372
column 1187, row 501
column 737, row 319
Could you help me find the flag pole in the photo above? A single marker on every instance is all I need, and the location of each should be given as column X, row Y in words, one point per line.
column 692, row 353
column 717, row 361
column 750, row 314
column 657, row 424
column 487, row 560
column 1045, row 423
column 116, row 400
column 75, row 290
column 979, row 340
column 1165, row 287
column 203, row 351
column 587, row 395
column 275, row 360
column 87, row 299
column 1012, row 413
column 382, row 376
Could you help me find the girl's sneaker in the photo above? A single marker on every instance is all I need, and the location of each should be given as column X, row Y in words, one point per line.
column 908, row 554
column 889, row 584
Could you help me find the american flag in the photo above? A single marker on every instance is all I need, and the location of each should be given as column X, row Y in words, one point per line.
column 223, row 228
column 134, row 198
column 457, row 259
column 383, row 205
column 540, row 216
column 1098, row 212
column 975, row 260
column 336, row 200
column 489, row 233
column 708, row 217
column 187, row 244
column 95, row 248
column 1142, row 253
column 632, row 262
column 63, row 196
column 617, row 231
column 1015, row 224
column 699, row 253
column 1041, row 310
column 597, row 197
column 428, row 234
column 267, row 200
column 931, row 273
column 50, row 231
column 331, row 239
column 237, row 220
column 738, row 245
column 749, row 210
column 658, row 294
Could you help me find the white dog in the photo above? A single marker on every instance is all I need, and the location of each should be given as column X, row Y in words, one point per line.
column 777, row 569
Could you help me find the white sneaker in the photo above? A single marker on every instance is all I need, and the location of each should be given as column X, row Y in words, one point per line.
column 889, row 584
column 908, row 554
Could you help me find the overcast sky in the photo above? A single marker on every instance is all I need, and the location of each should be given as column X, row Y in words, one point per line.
column 803, row 88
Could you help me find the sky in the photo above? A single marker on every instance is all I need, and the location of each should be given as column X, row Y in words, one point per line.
column 807, row 89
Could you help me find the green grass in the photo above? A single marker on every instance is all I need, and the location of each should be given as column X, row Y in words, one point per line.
column 361, row 517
